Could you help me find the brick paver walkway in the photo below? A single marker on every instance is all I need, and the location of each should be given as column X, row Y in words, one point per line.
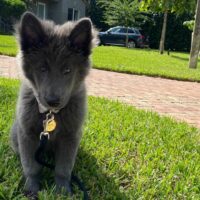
column 169, row 97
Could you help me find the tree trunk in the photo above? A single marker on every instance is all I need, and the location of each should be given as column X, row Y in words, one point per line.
column 127, row 37
column 162, row 39
column 195, row 45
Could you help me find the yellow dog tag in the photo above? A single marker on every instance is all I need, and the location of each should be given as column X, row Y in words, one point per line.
column 50, row 125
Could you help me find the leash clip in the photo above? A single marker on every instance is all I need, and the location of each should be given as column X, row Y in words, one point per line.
column 45, row 134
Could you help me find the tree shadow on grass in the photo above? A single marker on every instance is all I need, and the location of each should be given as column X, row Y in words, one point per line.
column 180, row 58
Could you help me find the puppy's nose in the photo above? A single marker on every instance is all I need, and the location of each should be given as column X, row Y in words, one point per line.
column 52, row 101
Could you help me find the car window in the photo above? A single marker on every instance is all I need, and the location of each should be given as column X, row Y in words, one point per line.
column 116, row 30
column 130, row 31
column 121, row 30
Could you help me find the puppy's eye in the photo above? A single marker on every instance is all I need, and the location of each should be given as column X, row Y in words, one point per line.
column 44, row 69
column 66, row 71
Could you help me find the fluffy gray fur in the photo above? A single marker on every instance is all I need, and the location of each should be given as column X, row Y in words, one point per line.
column 55, row 61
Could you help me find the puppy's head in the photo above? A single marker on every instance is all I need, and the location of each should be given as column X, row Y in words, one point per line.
column 55, row 59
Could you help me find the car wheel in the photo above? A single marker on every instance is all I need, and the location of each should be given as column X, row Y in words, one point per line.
column 131, row 44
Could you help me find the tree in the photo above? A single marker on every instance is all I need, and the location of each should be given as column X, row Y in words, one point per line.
column 195, row 46
column 122, row 13
column 165, row 7
column 11, row 8
column 95, row 13
column 179, row 40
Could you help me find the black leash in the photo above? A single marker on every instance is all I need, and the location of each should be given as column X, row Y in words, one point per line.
column 39, row 158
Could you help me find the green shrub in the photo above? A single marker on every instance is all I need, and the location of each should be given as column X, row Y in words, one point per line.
column 11, row 8
column 178, row 36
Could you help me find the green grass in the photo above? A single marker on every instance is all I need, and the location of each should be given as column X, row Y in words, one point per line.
column 8, row 45
column 133, row 61
column 145, row 62
column 125, row 153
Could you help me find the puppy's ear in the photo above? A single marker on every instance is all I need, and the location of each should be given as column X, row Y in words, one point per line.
column 81, row 36
column 30, row 30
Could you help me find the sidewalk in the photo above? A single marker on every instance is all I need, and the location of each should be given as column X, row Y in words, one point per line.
column 178, row 99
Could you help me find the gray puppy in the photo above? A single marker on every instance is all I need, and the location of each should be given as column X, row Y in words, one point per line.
column 55, row 61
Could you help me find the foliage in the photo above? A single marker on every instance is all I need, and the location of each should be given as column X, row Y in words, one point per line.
column 11, row 8
column 168, row 6
column 125, row 153
column 145, row 62
column 95, row 12
column 179, row 40
column 189, row 24
column 122, row 13
column 177, row 6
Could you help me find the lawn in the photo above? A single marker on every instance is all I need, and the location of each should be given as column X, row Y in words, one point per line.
column 125, row 153
column 134, row 61
column 145, row 62
column 8, row 45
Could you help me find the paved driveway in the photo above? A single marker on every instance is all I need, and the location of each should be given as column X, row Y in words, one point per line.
column 178, row 99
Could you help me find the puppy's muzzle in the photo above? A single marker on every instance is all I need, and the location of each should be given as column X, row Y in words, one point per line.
column 52, row 101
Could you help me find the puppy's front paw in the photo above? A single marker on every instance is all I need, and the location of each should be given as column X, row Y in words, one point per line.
column 31, row 187
column 63, row 186
column 31, row 195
